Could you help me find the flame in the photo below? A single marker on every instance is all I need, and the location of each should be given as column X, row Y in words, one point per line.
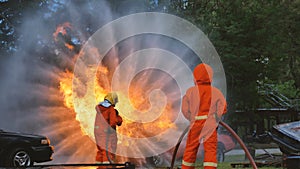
column 63, row 35
column 135, row 104
column 71, row 47
column 65, row 87
column 140, row 101
column 61, row 29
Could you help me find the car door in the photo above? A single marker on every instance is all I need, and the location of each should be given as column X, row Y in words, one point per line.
column 4, row 141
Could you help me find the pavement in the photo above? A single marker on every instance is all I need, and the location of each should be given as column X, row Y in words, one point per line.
column 257, row 151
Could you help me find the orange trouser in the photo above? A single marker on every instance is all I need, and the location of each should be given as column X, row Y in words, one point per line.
column 113, row 141
column 192, row 146
column 105, row 142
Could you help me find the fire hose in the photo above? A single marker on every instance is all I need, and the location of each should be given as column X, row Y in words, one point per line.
column 228, row 129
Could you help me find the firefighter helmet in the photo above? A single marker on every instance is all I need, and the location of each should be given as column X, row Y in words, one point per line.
column 112, row 98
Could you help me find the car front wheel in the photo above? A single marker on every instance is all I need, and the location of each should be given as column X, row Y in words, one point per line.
column 19, row 158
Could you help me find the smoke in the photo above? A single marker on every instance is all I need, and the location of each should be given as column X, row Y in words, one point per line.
column 30, row 75
column 30, row 100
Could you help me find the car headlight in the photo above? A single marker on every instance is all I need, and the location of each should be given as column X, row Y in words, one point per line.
column 45, row 141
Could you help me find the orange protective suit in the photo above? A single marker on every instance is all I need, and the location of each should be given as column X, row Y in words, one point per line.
column 202, row 105
column 113, row 138
column 107, row 119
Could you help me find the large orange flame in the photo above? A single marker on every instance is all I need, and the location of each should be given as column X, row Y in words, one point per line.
column 129, row 127
column 132, row 105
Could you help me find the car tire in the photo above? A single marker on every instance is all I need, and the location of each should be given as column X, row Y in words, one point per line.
column 19, row 157
column 221, row 152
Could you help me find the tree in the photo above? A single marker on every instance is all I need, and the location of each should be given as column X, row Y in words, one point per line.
column 257, row 42
column 11, row 15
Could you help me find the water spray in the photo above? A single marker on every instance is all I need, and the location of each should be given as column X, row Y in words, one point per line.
column 229, row 129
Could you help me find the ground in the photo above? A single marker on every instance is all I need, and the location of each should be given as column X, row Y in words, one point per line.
column 234, row 156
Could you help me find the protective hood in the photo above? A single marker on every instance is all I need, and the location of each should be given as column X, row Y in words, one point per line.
column 203, row 74
column 112, row 98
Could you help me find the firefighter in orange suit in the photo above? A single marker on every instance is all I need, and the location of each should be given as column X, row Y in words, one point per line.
column 202, row 105
column 107, row 118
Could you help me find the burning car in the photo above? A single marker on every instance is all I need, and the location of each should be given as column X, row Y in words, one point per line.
column 22, row 150
column 287, row 136
column 225, row 144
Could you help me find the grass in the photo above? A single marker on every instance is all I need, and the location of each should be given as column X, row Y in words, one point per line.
column 227, row 165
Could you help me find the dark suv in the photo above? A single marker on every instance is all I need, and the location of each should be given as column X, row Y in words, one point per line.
column 19, row 149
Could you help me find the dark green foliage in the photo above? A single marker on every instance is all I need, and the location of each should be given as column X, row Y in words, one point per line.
column 11, row 15
column 258, row 42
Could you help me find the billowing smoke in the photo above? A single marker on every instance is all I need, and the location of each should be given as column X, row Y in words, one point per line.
column 30, row 97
